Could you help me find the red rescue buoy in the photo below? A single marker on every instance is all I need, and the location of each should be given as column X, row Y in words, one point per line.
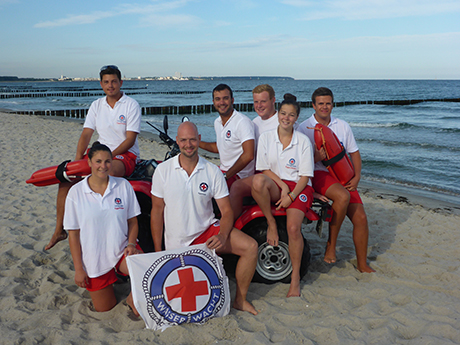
column 337, row 162
column 65, row 172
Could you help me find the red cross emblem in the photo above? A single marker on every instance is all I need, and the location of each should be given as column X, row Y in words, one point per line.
column 203, row 186
column 187, row 289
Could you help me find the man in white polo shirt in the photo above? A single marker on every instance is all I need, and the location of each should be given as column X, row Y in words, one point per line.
column 264, row 104
column 346, row 199
column 182, row 191
column 234, row 137
column 117, row 119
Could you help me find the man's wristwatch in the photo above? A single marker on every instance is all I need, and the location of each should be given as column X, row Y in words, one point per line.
column 225, row 175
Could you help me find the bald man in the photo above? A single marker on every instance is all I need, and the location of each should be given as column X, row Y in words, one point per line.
column 182, row 191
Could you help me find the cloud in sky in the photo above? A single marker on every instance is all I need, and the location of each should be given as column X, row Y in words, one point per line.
column 76, row 19
column 170, row 20
column 151, row 13
column 372, row 9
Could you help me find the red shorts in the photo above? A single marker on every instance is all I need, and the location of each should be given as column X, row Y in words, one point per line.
column 211, row 231
column 231, row 180
column 304, row 200
column 101, row 282
column 323, row 180
column 128, row 159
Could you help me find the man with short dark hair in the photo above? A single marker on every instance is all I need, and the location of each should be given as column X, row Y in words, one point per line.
column 117, row 119
column 234, row 137
column 346, row 199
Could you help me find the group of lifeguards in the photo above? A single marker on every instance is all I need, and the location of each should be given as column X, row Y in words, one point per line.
column 271, row 158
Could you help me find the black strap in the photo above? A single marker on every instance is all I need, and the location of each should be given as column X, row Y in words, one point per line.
column 328, row 162
column 61, row 170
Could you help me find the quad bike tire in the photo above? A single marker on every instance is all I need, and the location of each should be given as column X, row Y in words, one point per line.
column 274, row 263
column 143, row 220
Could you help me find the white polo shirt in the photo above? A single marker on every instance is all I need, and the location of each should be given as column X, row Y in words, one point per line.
column 102, row 221
column 112, row 123
column 289, row 164
column 261, row 126
column 188, row 199
column 230, row 138
column 341, row 129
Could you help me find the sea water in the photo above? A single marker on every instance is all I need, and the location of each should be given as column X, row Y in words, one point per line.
column 415, row 145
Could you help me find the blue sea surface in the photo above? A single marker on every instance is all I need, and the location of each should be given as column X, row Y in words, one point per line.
column 415, row 145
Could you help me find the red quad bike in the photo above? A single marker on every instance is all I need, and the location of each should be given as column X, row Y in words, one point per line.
column 273, row 264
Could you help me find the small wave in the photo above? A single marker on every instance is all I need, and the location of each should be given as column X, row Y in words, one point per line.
column 378, row 164
column 9, row 102
column 455, row 117
column 425, row 146
column 411, row 184
column 449, row 130
column 402, row 125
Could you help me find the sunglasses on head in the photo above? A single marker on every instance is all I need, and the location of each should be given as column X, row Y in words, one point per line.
column 108, row 67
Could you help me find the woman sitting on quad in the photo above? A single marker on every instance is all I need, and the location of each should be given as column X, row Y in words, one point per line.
column 285, row 158
column 100, row 215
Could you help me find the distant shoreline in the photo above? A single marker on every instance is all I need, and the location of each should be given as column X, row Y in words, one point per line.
column 13, row 79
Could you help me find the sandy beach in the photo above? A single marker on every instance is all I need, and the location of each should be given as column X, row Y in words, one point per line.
column 413, row 298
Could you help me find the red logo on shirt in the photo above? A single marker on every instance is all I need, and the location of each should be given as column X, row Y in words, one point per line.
column 204, row 187
column 228, row 135
column 118, row 204
column 291, row 164
column 121, row 119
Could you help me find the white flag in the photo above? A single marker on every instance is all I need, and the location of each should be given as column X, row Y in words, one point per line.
column 186, row 285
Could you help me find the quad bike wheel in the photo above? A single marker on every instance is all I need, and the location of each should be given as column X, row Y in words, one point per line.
column 274, row 263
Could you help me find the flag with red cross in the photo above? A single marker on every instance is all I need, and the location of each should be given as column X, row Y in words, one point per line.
column 186, row 285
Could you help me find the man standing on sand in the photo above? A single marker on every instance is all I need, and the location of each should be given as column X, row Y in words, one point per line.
column 346, row 199
column 117, row 119
column 234, row 137
column 182, row 191
column 267, row 120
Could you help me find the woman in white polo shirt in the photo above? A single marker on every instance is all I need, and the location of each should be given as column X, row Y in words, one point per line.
column 100, row 215
column 285, row 158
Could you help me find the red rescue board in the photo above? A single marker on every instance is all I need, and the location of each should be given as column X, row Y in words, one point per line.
column 337, row 162
column 73, row 170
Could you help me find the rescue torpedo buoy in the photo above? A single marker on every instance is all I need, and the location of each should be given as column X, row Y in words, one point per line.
column 337, row 162
column 65, row 172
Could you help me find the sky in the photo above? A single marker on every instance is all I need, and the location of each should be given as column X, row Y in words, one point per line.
column 302, row 39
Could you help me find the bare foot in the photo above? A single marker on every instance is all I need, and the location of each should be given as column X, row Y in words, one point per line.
column 55, row 239
column 272, row 234
column 130, row 302
column 365, row 269
column 329, row 255
column 245, row 306
column 294, row 289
